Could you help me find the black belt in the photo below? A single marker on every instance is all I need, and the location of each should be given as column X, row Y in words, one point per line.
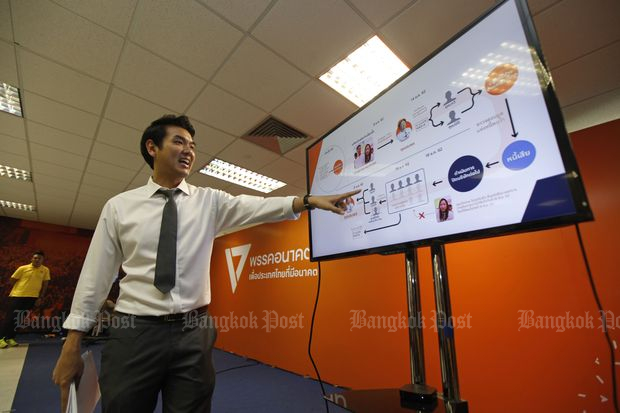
column 169, row 317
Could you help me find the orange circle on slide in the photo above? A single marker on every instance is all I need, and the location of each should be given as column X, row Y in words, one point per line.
column 338, row 167
column 501, row 78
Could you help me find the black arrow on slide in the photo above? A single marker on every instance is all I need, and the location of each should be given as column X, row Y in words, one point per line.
column 514, row 132
column 435, row 183
column 431, row 118
column 491, row 164
column 385, row 144
column 366, row 231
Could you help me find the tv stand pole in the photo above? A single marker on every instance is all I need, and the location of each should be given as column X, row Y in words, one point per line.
column 445, row 332
column 416, row 342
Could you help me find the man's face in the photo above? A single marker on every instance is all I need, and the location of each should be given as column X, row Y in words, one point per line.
column 37, row 260
column 176, row 156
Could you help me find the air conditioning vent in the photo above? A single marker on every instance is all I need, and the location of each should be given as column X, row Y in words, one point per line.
column 276, row 136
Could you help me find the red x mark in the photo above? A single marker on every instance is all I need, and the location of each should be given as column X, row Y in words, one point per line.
column 421, row 215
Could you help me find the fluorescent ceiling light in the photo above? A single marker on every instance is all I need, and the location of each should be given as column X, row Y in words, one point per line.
column 17, row 205
column 15, row 173
column 241, row 176
column 366, row 72
column 10, row 101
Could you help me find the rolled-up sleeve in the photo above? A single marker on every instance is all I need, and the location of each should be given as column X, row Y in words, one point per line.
column 98, row 273
column 235, row 211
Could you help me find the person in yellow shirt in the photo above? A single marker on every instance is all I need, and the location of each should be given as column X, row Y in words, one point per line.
column 30, row 286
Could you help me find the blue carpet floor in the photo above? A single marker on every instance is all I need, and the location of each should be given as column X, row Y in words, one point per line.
column 242, row 385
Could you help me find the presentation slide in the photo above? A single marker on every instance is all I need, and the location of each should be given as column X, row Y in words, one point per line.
column 463, row 143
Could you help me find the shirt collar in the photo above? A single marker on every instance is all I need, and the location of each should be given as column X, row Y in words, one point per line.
column 152, row 187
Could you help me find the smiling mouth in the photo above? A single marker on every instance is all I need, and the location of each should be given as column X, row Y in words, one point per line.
column 185, row 162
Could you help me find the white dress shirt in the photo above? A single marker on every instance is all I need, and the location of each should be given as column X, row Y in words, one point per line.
column 128, row 233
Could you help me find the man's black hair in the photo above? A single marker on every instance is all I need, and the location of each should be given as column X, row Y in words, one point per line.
column 38, row 252
column 157, row 131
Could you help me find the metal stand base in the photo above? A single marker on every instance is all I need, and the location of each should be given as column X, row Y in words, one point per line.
column 389, row 401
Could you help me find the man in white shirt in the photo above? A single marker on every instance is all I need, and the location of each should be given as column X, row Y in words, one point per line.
column 151, row 348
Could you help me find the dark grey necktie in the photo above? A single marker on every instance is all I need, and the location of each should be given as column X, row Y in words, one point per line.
column 165, row 266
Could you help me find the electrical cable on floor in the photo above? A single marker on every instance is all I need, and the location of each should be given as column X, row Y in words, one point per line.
column 316, row 370
column 238, row 367
column 603, row 321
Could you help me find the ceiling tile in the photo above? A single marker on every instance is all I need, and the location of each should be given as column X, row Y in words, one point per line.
column 207, row 181
column 6, row 28
column 52, row 80
column 98, row 192
column 18, row 214
column 118, row 135
column 378, row 12
column 48, row 184
column 12, row 125
column 112, row 14
column 573, row 28
column 150, row 77
column 588, row 76
column 84, row 218
column 242, row 190
column 13, row 145
column 58, row 115
column 536, row 6
column 285, row 170
column 224, row 111
column 298, row 154
column 415, row 33
column 247, row 155
column 201, row 160
column 8, row 66
column 594, row 111
column 54, row 213
column 241, row 12
column 16, row 161
column 116, row 156
column 45, row 168
column 57, row 33
column 55, row 138
column 259, row 76
column 301, row 183
column 141, row 178
column 210, row 140
column 111, row 171
column 132, row 111
column 288, row 190
column 57, row 156
column 50, row 202
column 103, row 182
column 186, row 33
column 315, row 109
column 43, row 188
column 17, row 191
column 93, row 205
column 314, row 35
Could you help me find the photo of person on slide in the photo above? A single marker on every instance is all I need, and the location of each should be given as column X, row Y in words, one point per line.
column 403, row 131
column 444, row 209
column 358, row 158
column 368, row 153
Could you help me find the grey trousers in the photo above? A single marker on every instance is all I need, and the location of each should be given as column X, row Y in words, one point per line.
column 152, row 356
